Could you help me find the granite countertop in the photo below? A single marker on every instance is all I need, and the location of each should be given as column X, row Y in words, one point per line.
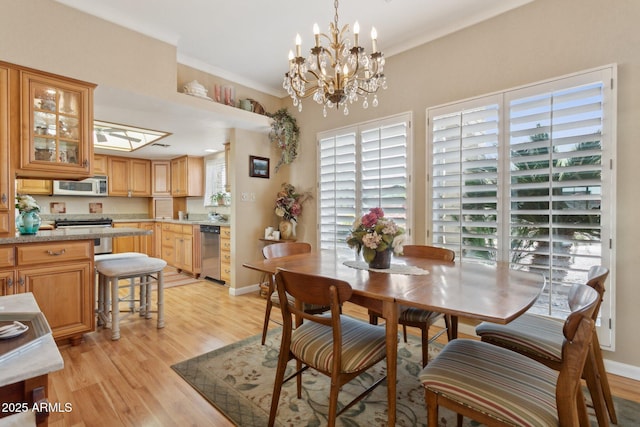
column 33, row 362
column 62, row 234
column 177, row 221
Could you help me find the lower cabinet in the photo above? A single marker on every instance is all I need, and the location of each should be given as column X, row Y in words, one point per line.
column 60, row 276
column 143, row 244
column 225, row 254
column 181, row 247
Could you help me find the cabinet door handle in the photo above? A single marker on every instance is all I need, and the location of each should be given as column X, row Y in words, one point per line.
column 56, row 253
column 21, row 281
column 4, row 198
column 85, row 163
column 10, row 282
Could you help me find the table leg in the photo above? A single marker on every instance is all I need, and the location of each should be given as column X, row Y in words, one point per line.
column 390, row 313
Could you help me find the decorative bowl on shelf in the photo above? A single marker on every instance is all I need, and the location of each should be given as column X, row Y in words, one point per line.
column 195, row 89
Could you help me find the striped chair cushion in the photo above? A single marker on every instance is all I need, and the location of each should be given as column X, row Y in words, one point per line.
column 362, row 345
column 498, row 382
column 528, row 333
column 412, row 314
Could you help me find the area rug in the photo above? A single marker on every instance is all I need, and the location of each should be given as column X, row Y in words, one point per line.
column 238, row 381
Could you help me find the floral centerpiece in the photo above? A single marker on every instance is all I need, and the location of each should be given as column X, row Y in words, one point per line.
column 376, row 236
column 289, row 207
column 28, row 221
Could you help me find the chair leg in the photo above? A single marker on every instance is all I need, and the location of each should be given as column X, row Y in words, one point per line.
column 373, row 319
column 581, row 406
column 451, row 323
column 267, row 316
column 115, row 310
column 431, row 399
column 603, row 380
column 333, row 403
column 404, row 332
column 425, row 345
column 283, row 359
column 160, row 299
column 595, row 390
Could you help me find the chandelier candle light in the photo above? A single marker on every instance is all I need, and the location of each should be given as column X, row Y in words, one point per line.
column 337, row 74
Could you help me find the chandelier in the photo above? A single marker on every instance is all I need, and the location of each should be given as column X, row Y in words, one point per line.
column 337, row 75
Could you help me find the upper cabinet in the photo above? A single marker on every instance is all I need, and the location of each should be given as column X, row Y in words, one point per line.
column 100, row 164
column 57, row 126
column 129, row 177
column 161, row 178
column 187, row 177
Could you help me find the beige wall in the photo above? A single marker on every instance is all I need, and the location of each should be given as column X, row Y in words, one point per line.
column 541, row 40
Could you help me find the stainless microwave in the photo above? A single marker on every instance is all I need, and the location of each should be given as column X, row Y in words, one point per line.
column 94, row 186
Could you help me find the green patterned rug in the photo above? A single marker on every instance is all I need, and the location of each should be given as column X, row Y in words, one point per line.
column 238, row 380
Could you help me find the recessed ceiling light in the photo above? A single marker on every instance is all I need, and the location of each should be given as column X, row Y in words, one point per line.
column 211, row 150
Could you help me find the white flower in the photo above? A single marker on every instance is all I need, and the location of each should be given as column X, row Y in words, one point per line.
column 398, row 243
column 26, row 203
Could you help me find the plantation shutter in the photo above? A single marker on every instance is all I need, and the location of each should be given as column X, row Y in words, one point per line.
column 337, row 189
column 362, row 167
column 556, row 183
column 384, row 174
column 464, row 178
column 523, row 176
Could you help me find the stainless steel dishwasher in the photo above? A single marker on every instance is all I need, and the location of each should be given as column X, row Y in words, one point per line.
column 210, row 250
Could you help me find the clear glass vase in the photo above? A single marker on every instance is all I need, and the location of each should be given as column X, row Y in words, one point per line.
column 28, row 222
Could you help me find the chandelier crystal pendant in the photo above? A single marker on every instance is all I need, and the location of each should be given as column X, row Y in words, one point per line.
column 339, row 74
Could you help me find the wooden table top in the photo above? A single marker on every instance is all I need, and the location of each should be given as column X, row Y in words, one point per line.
column 485, row 292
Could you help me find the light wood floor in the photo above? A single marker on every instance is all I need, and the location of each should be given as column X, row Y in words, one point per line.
column 130, row 382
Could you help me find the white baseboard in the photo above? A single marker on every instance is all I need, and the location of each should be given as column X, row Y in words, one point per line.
column 244, row 290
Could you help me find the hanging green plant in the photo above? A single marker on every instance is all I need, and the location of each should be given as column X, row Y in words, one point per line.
column 286, row 133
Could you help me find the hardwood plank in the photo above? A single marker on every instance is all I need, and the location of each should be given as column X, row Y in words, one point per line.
column 130, row 382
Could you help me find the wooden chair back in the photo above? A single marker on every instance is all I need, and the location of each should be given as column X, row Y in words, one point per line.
column 309, row 289
column 578, row 332
column 276, row 250
column 596, row 278
column 430, row 252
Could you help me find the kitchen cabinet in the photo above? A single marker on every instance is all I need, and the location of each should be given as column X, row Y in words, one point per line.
column 143, row 244
column 187, row 176
column 34, row 186
column 61, row 277
column 56, row 115
column 6, row 195
column 225, row 254
column 129, row 177
column 161, row 178
column 181, row 247
column 100, row 164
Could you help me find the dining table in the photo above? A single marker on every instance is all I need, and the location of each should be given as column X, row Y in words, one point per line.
column 483, row 291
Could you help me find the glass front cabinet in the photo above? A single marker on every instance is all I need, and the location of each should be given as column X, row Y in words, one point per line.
column 57, row 126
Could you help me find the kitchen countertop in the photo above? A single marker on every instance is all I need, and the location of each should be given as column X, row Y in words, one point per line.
column 33, row 362
column 62, row 234
column 178, row 221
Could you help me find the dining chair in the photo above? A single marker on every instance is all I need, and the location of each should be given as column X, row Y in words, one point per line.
column 540, row 338
column 419, row 318
column 276, row 250
column 496, row 386
column 333, row 344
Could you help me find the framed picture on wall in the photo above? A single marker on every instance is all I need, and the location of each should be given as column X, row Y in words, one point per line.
column 259, row 167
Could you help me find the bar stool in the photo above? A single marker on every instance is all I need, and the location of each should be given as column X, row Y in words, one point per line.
column 101, row 289
column 148, row 270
